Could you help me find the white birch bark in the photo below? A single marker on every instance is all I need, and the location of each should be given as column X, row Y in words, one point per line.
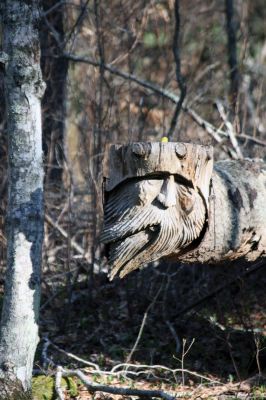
column 23, row 89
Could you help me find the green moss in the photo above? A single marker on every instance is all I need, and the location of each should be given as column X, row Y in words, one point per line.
column 72, row 387
column 43, row 387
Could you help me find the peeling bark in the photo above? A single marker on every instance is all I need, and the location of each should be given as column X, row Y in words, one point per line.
column 166, row 200
column 24, row 223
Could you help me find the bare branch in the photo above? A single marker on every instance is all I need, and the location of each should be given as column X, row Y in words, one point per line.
column 179, row 78
column 93, row 387
column 230, row 129
column 232, row 52
column 58, row 388
column 73, row 356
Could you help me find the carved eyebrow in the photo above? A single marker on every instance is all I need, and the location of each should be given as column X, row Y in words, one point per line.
column 155, row 175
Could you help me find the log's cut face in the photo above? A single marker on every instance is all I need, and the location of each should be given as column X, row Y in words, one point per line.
column 156, row 201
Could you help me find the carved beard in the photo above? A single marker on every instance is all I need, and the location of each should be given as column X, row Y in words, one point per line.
column 148, row 219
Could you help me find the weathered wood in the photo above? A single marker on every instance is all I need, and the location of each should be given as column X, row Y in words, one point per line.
column 166, row 200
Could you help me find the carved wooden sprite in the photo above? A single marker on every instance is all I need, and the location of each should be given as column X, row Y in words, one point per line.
column 167, row 200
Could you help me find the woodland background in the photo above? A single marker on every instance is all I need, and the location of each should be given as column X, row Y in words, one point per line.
column 210, row 320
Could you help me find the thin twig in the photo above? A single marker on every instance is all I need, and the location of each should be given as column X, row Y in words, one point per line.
column 138, row 337
column 160, row 367
column 121, row 369
column 232, row 52
column 68, row 354
column 179, row 77
column 230, row 129
column 174, row 334
column 165, row 314
column 54, row 7
column 184, row 353
column 142, row 325
column 252, row 139
column 64, row 233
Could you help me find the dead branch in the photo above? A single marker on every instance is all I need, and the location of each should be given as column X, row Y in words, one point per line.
column 93, row 387
column 70, row 355
column 58, row 388
column 232, row 52
column 121, row 369
column 230, row 129
column 179, row 77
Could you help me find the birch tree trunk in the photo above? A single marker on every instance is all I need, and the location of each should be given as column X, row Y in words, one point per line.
column 23, row 88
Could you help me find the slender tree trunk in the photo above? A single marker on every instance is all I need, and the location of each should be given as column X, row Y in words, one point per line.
column 55, row 75
column 232, row 52
column 24, row 88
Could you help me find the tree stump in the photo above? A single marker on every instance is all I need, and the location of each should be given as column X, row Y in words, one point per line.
column 167, row 200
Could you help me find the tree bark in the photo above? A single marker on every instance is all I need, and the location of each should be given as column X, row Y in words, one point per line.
column 165, row 200
column 24, row 224
column 237, row 214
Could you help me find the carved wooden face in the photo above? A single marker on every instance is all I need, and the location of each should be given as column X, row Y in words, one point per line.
column 149, row 218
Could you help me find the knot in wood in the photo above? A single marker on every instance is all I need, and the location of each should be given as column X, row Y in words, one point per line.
column 180, row 150
column 141, row 149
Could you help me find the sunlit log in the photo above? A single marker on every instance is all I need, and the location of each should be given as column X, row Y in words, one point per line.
column 166, row 200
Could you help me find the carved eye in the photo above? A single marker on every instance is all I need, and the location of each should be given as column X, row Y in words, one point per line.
column 180, row 150
column 141, row 149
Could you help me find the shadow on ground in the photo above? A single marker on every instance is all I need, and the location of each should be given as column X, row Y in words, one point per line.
column 225, row 331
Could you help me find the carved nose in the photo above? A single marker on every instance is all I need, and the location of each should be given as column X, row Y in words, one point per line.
column 167, row 195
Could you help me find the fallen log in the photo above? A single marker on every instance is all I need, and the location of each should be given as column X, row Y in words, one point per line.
column 167, row 200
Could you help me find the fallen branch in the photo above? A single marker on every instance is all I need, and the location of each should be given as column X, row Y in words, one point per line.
column 121, row 369
column 70, row 355
column 94, row 387
column 162, row 367
column 58, row 388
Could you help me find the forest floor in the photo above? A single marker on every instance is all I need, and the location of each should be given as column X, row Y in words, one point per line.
column 194, row 332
